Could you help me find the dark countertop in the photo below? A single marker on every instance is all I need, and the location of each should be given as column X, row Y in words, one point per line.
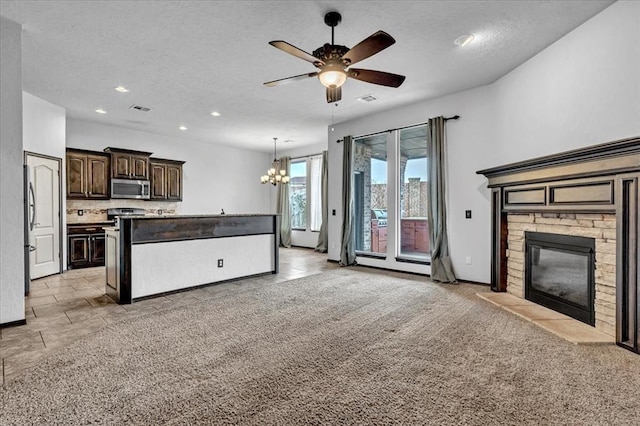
column 146, row 229
column 196, row 216
column 83, row 224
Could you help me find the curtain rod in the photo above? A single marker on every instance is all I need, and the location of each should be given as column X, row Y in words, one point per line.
column 455, row 117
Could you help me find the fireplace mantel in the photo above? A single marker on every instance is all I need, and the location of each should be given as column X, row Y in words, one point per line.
column 600, row 179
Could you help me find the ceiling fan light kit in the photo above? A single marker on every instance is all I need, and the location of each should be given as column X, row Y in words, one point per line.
column 332, row 75
column 333, row 61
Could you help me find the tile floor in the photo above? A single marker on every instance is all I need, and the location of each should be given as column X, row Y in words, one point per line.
column 63, row 308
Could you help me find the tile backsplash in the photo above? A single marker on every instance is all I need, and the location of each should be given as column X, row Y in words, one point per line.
column 96, row 210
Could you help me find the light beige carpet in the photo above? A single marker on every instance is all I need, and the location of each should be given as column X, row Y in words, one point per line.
column 343, row 347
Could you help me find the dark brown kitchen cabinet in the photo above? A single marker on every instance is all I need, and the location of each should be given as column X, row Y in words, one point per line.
column 166, row 179
column 86, row 246
column 87, row 174
column 128, row 164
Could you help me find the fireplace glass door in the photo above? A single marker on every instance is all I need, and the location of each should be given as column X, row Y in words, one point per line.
column 559, row 274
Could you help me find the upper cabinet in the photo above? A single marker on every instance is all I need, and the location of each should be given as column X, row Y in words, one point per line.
column 166, row 179
column 128, row 164
column 87, row 174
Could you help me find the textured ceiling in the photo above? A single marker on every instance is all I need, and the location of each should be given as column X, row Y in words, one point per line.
column 184, row 59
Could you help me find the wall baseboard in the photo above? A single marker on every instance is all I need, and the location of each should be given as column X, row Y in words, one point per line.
column 13, row 323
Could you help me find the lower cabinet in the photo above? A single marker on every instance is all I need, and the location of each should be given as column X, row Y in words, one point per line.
column 86, row 247
column 414, row 236
column 378, row 237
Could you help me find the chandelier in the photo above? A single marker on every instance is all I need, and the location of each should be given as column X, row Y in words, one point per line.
column 275, row 174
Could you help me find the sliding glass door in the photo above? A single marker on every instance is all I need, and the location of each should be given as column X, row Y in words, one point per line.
column 414, row 193
column 404, row 233
column 370, row 194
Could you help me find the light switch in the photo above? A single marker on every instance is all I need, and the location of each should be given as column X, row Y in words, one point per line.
column 467, row 214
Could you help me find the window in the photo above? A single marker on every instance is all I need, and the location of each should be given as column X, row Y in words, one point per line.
column 315, row 192
column 298, row 194
column 413, row 192
column 305, row 193
column 370, row 193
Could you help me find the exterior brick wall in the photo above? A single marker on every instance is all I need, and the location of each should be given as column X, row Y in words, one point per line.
column 414, row 201
column 601, row 227
column 362, row 164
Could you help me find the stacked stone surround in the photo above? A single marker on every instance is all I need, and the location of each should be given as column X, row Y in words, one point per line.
column 601, row 227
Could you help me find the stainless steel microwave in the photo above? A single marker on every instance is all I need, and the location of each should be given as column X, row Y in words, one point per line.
column 125, row 188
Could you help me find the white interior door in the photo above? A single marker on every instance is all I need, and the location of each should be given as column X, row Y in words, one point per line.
column 43, row 216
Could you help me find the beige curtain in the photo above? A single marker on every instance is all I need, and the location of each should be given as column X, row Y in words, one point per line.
column 348, row 246
column 323, row 241
column 441, row 268
column 283, row 206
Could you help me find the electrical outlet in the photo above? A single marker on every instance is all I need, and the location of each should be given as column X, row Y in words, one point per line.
column 467, row 260
column 220, row 263
column 333, row 212
column 160, row 212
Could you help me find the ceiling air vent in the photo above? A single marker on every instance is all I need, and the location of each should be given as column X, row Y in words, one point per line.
column 140, row 108
column 366, row 99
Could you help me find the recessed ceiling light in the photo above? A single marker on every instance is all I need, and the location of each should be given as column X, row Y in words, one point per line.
column 215, row 114
column 122, row 89
column 463, row 40
column 101, row 111
column 182, row 128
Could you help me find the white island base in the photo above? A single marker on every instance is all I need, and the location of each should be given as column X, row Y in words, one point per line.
column 166, row 267
column 152, row 256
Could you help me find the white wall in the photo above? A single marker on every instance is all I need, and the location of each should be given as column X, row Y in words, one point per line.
column 582, row 90
column 215, row 177
column 11, row 175
column 43, row 126
column 305, row 238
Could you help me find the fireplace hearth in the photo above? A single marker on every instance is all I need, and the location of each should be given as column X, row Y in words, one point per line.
column 560, row 273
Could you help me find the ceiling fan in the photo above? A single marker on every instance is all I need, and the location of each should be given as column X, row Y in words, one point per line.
column 334, row 61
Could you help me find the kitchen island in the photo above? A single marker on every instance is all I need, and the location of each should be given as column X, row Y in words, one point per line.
column 149, row 256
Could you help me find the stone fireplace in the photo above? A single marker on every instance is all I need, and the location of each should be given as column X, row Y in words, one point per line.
column 600, row 228
column 565, row 235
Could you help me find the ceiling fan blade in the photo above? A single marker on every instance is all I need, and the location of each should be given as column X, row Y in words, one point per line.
column 290, row 79
column 292, row 50
column 368, row 47
column 334, row 94
column 377, row 77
